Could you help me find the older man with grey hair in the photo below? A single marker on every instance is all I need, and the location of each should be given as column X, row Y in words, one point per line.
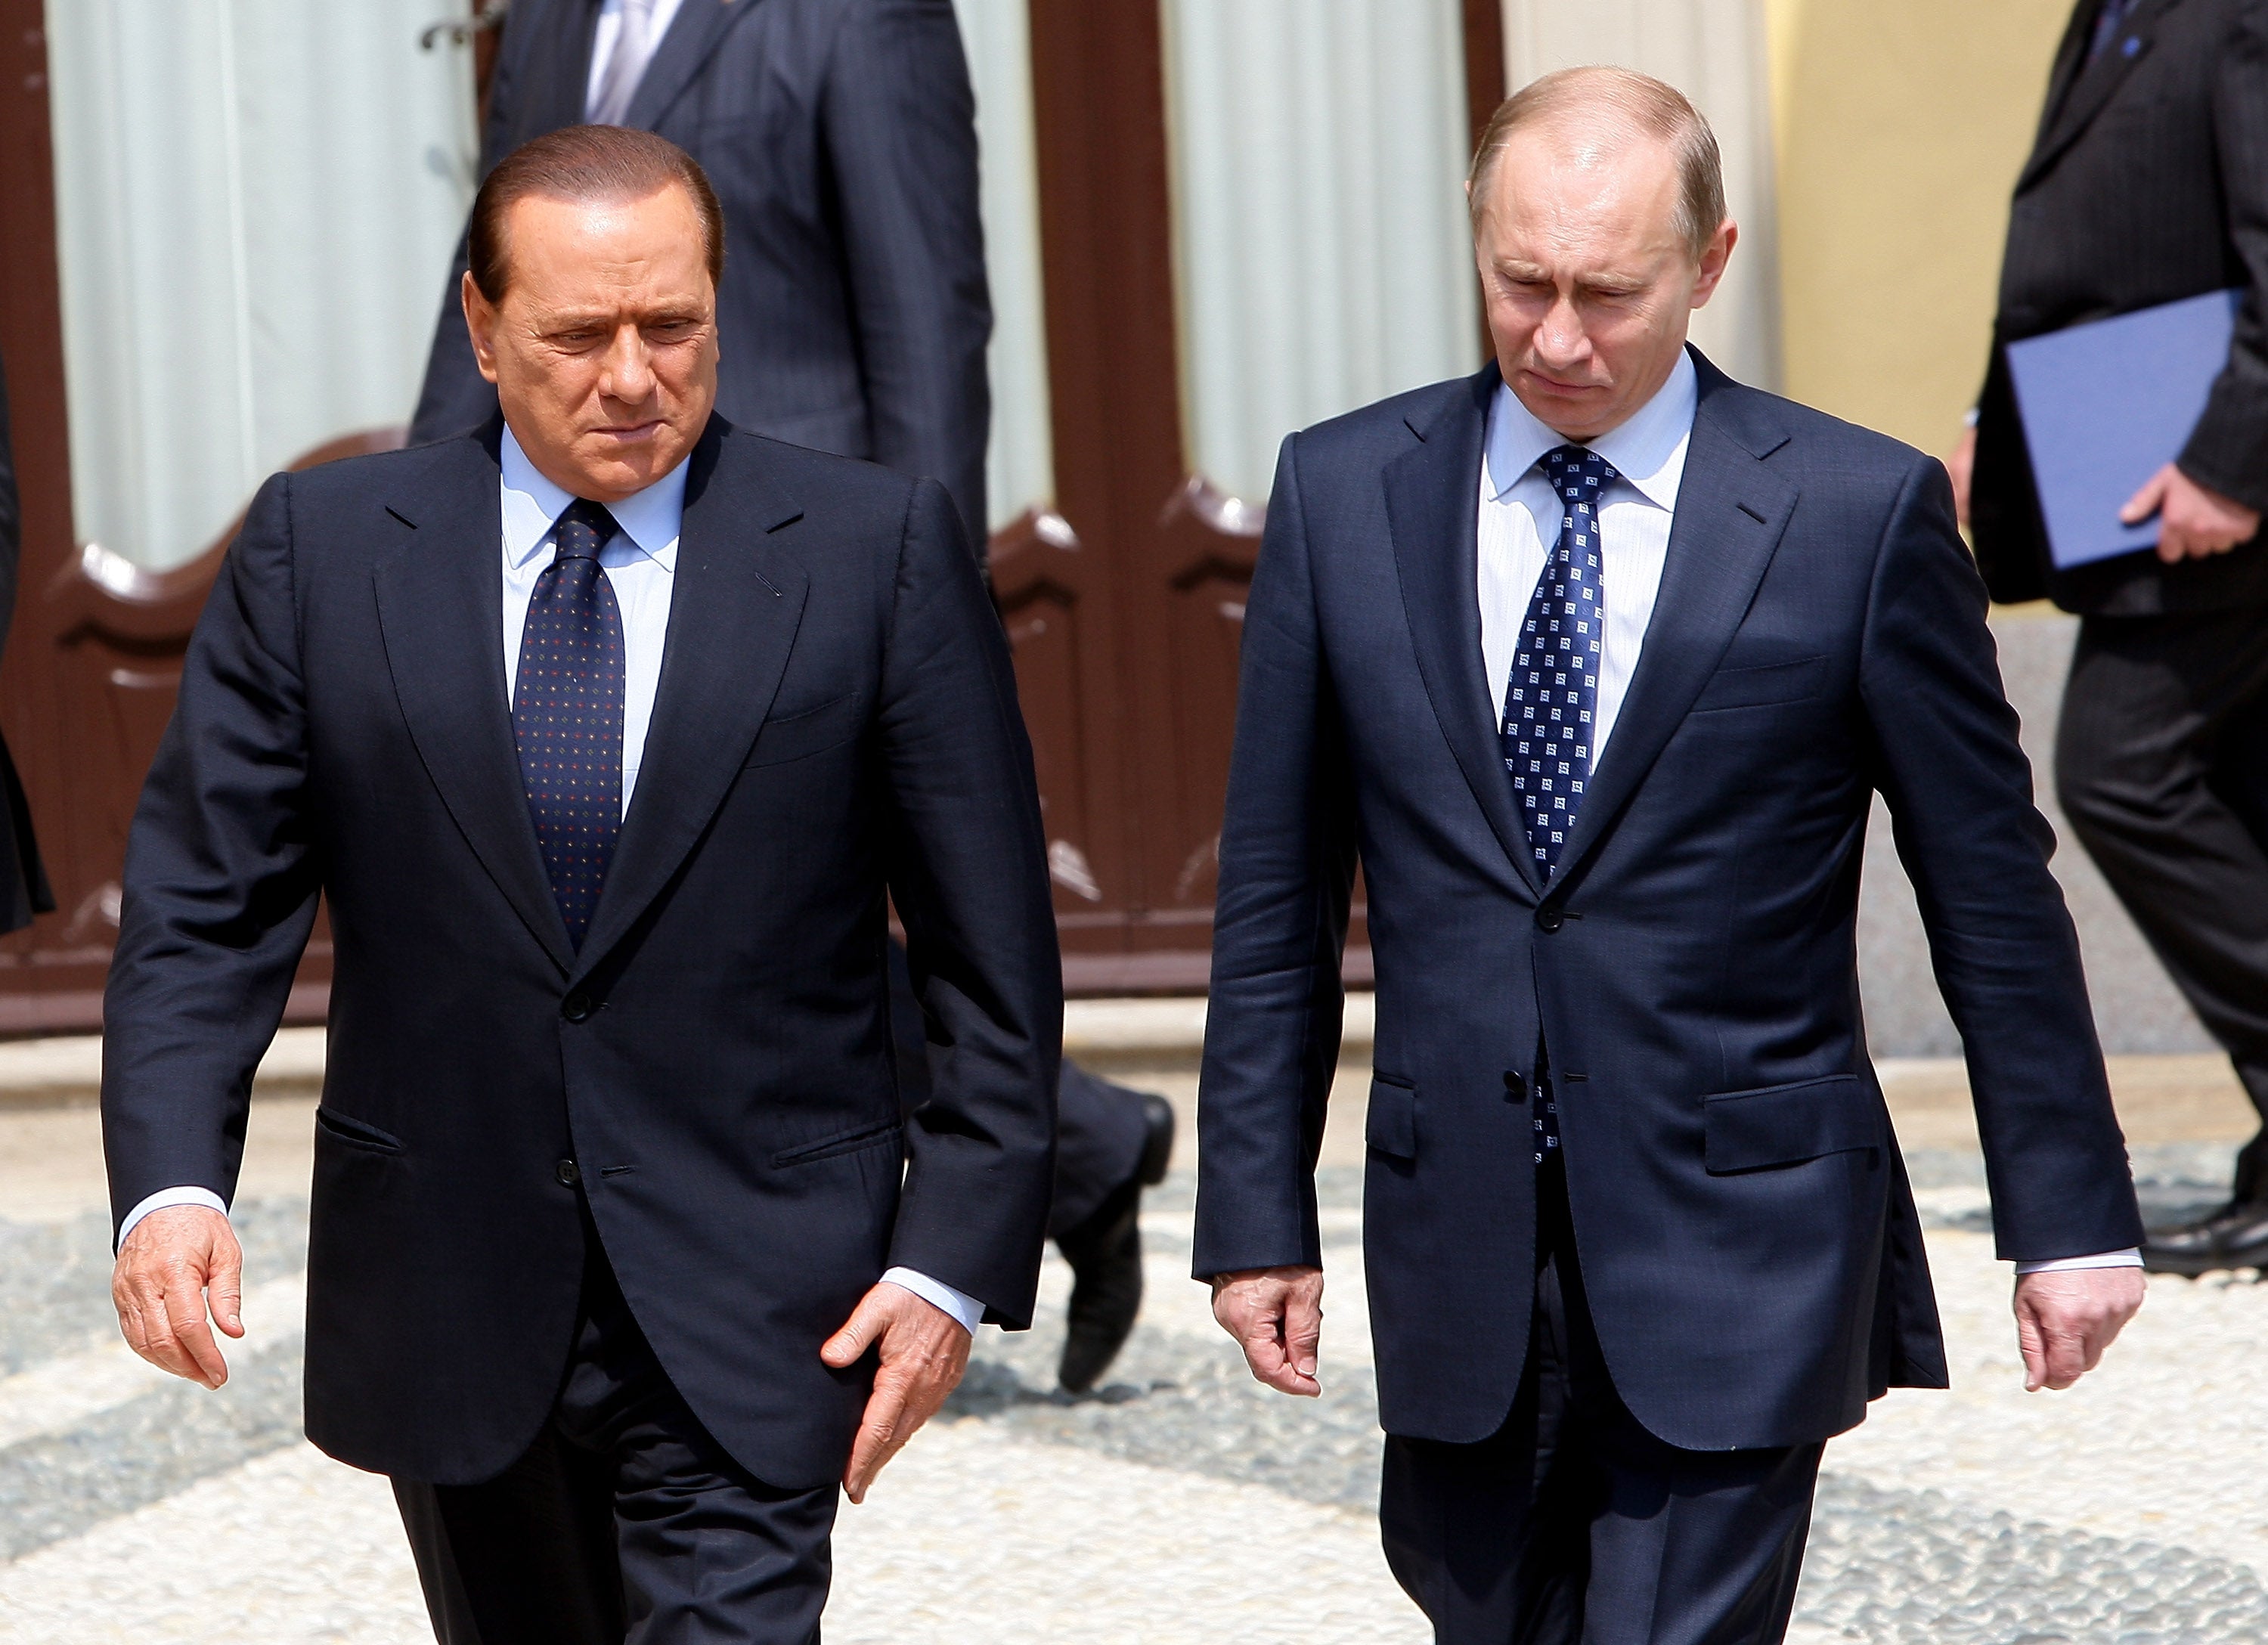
column 1594, row 662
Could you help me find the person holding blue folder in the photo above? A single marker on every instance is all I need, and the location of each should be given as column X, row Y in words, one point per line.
column 2147, row 186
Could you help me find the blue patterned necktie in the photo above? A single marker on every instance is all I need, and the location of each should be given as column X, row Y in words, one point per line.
column 1552, row 701
column 567, row 714
column 1552, row 698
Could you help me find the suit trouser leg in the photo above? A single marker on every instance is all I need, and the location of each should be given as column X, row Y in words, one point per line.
column 1101, row 1128
column 2165, row 720
column 1574, row 1523
column 624, row 1522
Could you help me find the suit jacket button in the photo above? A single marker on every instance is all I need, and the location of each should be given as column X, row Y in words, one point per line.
column 1515, row 1088
column 568, row 1173
column 575, row 1007
column 1550, row 919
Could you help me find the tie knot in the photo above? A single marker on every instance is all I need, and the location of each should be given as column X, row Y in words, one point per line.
column 583, row 530
column 1577, row 472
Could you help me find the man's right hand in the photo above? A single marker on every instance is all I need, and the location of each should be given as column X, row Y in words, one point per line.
column 1276, row 1317
column 173, row 1263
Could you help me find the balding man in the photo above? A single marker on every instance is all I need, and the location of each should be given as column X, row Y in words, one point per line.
column 1595, row 664
column 607, row 733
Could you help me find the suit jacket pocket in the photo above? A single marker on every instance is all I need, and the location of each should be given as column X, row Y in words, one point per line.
column 1786, row 1125
column 1391, row 1124
column 356, row 1133
column 786, row 737
column 1763, row 685
column 841, row 1143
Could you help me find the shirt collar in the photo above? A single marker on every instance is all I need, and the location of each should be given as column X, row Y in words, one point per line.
column 651, row 519
column 1648, row 450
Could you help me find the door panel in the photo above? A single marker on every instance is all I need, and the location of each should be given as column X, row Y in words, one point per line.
column 1168, row 531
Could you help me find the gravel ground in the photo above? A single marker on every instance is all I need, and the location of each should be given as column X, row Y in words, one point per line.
column 1187, row 1503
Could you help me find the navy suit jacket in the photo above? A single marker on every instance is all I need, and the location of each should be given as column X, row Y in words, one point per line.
column 1749, row 1248
column 841, row 138
column 837, row 719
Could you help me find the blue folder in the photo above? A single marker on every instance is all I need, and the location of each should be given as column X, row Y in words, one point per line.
column 2106, row 405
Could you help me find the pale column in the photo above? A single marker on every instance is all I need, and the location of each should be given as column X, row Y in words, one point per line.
column 1319, row 219
column 1020, row 460
column 1714, row 52
column 255, row 204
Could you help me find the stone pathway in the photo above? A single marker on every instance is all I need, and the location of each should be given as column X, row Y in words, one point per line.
column 1185, row 1504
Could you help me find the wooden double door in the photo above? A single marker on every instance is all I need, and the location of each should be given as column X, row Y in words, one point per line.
column 1123, row 600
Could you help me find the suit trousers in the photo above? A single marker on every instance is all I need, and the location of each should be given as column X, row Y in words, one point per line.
column 623, row 1521
column 1572, row 1523
column 2161, row 765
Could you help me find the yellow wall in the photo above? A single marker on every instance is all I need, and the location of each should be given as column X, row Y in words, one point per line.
column 1899, row 126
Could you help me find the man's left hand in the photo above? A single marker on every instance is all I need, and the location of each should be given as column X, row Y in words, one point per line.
column 2192, row 521
column 924, row 1351
column 2066, row 1319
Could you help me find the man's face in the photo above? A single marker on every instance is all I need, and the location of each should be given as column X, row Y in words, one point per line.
column 1588, row 284
column 604, row 349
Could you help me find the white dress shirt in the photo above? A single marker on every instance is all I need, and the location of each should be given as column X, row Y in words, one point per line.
column 1520, row 526
column 659, row 14
column 1519, row 515
column 640, row 564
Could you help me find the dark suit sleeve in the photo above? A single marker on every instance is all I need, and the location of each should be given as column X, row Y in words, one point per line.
column 219, row 885
column 2006, row 954
column 1279, row 927
column 2229, row 449
column 900, row 127
column 967, row 873
column 455, row 396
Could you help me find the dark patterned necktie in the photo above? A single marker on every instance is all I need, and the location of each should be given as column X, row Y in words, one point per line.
column 567, row 714
column 1552, row 701
column 1552, row 697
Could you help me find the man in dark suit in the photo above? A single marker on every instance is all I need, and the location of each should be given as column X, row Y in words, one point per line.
column 1594, row 667
column 618, row 1238
column 840, row 137
column 22, row 880
column 2149, row 183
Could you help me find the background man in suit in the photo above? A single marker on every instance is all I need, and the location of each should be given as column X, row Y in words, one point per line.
column 841, row 136
column 23, row 880
column 2149, row 183
column 610, row 1257
column 1596, row 665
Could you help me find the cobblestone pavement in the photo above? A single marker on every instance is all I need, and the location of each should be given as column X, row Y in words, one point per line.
column 1185, row 1503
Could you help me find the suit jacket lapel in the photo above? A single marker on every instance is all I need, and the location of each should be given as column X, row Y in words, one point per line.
column 439, row 608
column 2091, row 84
column 700, row 25
column 1730, row 513
column 1433, row 497
column 734, row 606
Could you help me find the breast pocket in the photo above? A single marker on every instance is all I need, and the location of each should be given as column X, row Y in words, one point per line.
column 1763, row 685
column 808, row 731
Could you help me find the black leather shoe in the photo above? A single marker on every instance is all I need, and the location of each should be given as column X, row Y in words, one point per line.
column 2234, row 1237
column 1105, row 1254
column 1158, row 1145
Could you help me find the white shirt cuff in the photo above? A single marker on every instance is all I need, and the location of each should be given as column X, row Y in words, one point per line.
column 967, row 1311
column 166, row 1198
column 2130, row 1257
